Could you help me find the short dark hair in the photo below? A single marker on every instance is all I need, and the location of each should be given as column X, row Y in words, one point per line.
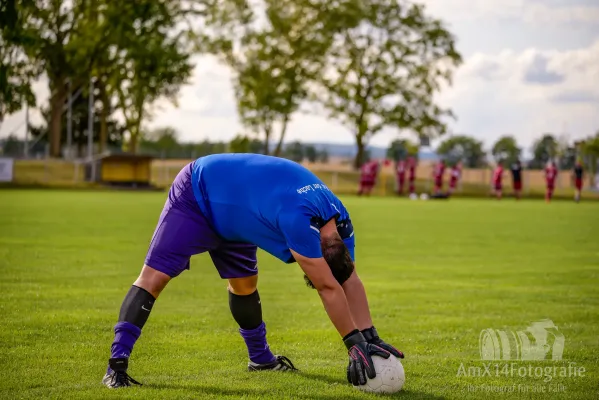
column 337, row 255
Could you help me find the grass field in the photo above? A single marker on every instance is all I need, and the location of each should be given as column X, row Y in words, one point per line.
column 437, row 273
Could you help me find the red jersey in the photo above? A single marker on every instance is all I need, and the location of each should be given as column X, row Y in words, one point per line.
column 455, row 176
column 498, row 175
column 401, row 170
column 411, row 169
column 439, row 171
column 550, row 175
column 369, row 171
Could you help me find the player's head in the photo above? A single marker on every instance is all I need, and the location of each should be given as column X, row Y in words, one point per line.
column 336, row 255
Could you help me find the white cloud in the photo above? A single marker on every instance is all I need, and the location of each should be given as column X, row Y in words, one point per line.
column 493, row 94
column 496, row 94
column 534, row 12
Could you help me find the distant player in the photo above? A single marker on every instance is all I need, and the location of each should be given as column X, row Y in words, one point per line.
column 550, row 178
column 438, row 173
column 577, row 174
column 368, row 175
column 455, row 174
column 498, row 181
column 229, row 205
column 412, row 163
column 400, row 176
column 517, row 178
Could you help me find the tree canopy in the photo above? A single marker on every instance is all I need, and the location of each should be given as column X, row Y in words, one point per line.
column 506, row 150
column 463, row 148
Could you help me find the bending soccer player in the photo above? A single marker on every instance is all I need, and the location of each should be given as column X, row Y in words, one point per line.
column 229, row 205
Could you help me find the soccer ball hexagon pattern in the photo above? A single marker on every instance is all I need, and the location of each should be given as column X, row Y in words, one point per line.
column 390, row 376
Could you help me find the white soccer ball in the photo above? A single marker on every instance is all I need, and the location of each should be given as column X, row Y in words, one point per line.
column 413, row 196
column 389, row 378
column 424, row 196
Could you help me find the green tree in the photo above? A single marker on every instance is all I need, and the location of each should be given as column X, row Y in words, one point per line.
column 386, row 70
column 137, row 52
column 567, row 157
column 10, row 146
column 163, row 141
column 400, row 149
column 245, row 144
column 206, row 147
column 544, row 149
column 464, row 148
column 311, row 153
column 295, row 151
column 566, row 153
column 274, row 63
column 16, row 71
column 61, row 38
column 506, row 149
column 153, row 61
column 80, row 124
column 589, row 150
column 323, row 156
column 239, row 144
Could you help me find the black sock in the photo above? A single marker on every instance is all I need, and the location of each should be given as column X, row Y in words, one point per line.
column 134, row 313
column 246, row 310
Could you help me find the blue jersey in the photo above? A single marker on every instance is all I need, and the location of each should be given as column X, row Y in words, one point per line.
column 271, row 202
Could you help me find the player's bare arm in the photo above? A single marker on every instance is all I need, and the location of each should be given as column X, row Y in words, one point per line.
column 333, row 298
column 330, row 291
column 358, row 302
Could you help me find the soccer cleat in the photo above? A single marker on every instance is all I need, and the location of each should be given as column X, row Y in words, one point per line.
column 281, row 363
column 116, row 376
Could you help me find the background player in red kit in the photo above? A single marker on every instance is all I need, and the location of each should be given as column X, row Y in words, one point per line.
column 400, row 176
column 368, row 174
column 517, row 178
column 455, row 173
column 438, row 173
column 411, row 174
column 498, row 180
column 577, row 175
column 550, row 177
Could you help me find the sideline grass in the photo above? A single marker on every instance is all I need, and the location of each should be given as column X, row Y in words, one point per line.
column 437, row 273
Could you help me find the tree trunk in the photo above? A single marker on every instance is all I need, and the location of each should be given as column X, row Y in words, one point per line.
column 79, row 147
column 104, row 118
column 359, row 160
column 56, row 105
column 134, row 140
column 266, row 141
column 283, row 131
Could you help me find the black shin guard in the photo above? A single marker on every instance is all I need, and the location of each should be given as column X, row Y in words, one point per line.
column 136, row 306
column 246, row 310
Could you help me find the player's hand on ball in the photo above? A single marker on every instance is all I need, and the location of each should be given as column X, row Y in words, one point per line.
column 372, row 337
column 360, row 358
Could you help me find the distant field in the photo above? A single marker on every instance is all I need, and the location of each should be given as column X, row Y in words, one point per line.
column 437, row 273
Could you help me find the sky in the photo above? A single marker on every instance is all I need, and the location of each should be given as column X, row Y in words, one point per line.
column 530, row 67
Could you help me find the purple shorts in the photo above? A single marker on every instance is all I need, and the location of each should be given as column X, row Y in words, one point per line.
column 183, row 231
